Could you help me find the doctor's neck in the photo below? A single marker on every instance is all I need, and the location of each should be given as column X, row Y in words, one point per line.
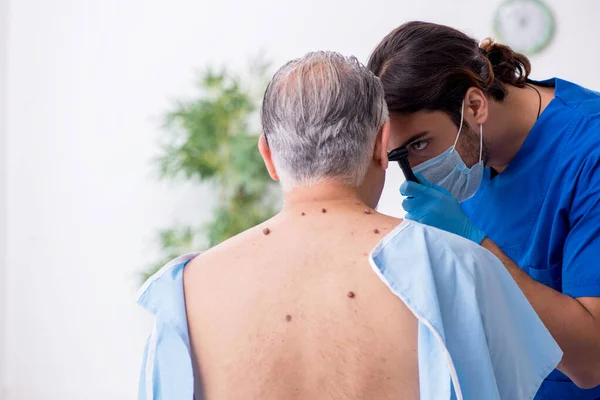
column 511, row 120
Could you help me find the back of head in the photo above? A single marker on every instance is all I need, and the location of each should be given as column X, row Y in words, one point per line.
column 321, row 114
column 426, row 66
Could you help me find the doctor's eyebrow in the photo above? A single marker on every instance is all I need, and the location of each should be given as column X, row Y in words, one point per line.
column 415, row 138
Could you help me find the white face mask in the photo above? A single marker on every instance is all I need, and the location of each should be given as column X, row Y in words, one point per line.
column 450, row 172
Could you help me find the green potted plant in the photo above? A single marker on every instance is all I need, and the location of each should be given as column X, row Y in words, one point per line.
column 213, row 139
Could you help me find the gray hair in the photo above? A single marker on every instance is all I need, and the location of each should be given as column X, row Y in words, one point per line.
column 320, row 115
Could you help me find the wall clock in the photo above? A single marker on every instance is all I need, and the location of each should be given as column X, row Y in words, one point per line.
column 527, row 26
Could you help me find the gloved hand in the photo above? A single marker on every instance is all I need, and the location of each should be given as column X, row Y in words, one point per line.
column 433, row 205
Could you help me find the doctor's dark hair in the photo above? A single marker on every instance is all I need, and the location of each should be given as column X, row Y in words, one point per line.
column 426, row 66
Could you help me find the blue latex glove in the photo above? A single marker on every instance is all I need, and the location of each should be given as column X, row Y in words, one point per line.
column 433, row 205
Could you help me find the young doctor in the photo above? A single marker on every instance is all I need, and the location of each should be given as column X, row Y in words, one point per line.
column 511, row 164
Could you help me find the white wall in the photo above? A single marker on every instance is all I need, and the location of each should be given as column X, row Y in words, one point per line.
column 3, row 64
column 87, row 83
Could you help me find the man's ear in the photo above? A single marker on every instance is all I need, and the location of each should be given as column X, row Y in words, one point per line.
column 381, row 145
column 476, row 106
column 265, row 152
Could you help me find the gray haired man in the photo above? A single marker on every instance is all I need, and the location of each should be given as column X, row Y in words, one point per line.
column 330, row 299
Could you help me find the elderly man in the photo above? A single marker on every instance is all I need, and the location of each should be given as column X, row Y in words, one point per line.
column 330, row 299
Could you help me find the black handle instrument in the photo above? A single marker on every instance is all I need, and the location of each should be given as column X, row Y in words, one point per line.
column 400, row 154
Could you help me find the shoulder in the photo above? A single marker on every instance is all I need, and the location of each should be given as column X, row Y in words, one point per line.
column 414, row 248
column 575, row 95
column 389, row 224
column 581, row 101
column 167, row 276
column 576, row 120
column 162, row 294
column 416, row 237
column 203, row 272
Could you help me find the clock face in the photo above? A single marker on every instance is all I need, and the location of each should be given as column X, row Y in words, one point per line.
column 526, row 26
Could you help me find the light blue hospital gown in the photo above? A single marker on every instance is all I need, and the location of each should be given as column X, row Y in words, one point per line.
column 478, row 339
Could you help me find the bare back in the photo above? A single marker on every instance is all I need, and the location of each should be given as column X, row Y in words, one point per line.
column 296, row 312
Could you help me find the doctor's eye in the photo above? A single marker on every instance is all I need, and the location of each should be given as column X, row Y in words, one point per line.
column 420, row 145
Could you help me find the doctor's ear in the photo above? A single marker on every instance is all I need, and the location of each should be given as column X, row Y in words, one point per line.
column 476, row 106
column 265, row 152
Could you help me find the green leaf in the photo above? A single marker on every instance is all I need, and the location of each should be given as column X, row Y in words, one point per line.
column 210, row 138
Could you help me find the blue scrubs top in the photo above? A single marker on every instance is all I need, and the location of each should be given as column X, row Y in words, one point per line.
column 543, row 210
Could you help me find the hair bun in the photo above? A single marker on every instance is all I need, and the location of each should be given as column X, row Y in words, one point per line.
column 508, row 66
column 487, row 45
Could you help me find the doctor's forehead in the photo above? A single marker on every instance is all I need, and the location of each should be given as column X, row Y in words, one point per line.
column 405, row 126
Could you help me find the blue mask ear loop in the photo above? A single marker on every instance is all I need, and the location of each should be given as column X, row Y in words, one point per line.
column 480, row 142
column 462, row 118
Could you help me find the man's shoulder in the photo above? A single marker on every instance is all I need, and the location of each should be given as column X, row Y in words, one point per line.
column 229, row 246
column 415, row 238
column 225, row 255
column 414, row 249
